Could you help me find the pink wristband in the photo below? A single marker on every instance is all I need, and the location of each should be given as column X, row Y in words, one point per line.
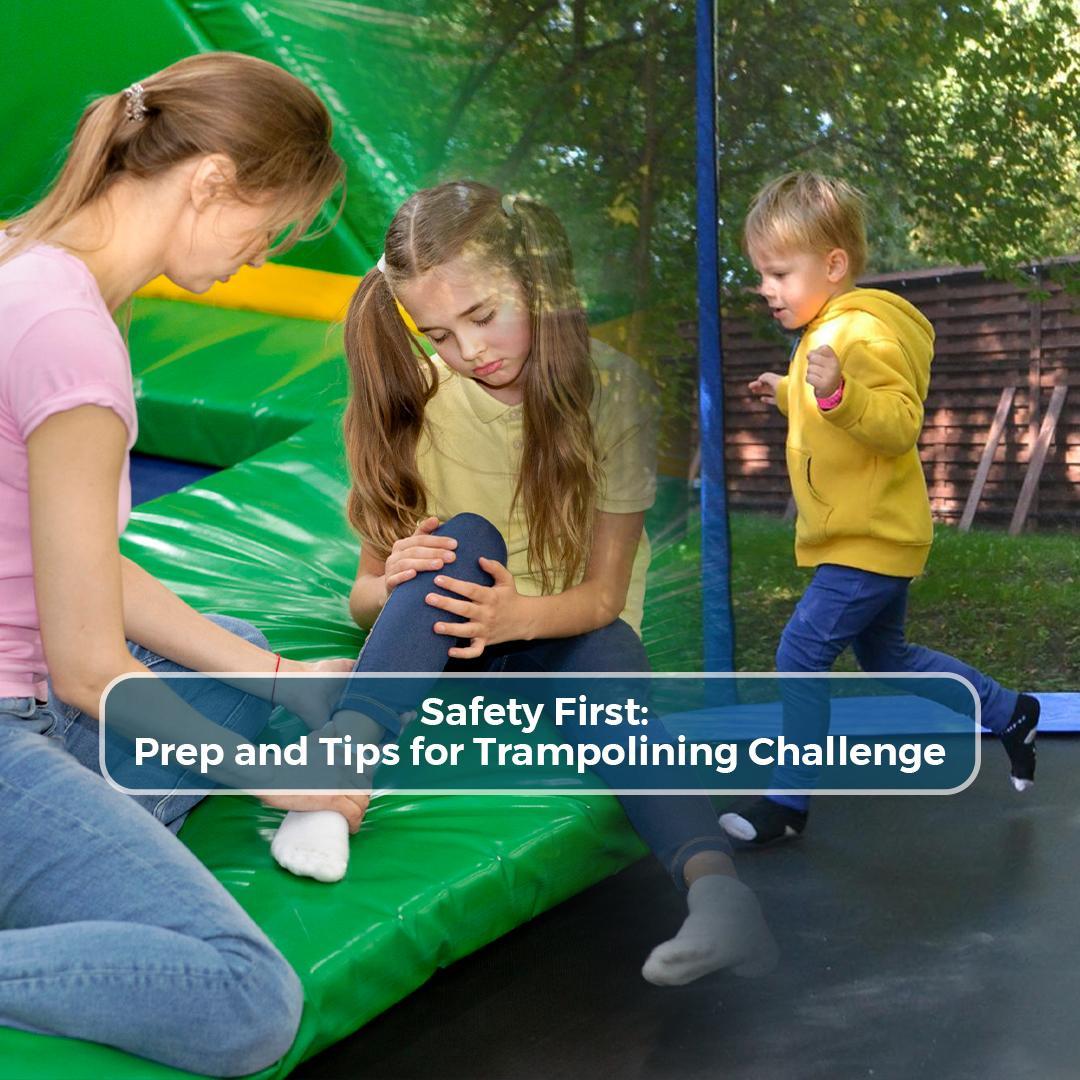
column 834, row 399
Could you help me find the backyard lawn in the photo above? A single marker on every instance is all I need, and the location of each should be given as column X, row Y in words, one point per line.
column 1010, row 606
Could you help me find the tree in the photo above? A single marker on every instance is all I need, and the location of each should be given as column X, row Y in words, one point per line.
column 959, row 120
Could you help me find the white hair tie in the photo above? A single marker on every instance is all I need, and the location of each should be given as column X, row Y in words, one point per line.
column 136, row 109
column 381, row 264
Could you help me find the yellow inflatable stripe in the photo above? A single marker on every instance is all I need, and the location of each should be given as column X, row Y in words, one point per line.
column 272, row 289
column 300, row 293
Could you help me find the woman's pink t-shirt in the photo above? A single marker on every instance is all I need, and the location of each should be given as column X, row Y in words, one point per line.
column 59, row 349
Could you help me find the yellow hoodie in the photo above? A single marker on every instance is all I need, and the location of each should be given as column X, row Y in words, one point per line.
column 855, row 470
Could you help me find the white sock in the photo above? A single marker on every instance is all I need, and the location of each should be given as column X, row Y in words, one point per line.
column 313, row 843
column 723, row 929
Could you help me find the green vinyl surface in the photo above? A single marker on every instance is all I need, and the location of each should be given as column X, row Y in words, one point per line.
column 215, row 386
column 431, row 879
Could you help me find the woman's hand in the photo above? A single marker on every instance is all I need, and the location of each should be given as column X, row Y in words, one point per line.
column 764, row 386
column 417, row 553
column 351, row 805
column 492, row 613
column 313, row 700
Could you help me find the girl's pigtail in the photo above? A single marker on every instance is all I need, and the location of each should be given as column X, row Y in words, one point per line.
column 392, row 381
column 560, row 476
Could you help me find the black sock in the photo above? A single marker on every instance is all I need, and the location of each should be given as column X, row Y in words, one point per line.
column 762, row 821
column 1018, row 738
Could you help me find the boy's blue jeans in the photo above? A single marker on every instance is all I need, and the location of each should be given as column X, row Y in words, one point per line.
column 675, row 827
column 110, row 929
column 845, row 606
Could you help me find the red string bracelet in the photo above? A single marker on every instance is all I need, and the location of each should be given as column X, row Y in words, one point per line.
column 273, row 689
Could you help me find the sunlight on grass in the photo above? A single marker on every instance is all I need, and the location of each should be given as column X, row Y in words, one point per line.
column 1007, row 605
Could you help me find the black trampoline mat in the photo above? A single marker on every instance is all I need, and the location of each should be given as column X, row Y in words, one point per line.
column 933, row 937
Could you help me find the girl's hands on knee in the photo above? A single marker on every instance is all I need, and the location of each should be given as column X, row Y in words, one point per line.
column 418, row 553
column 492, row 613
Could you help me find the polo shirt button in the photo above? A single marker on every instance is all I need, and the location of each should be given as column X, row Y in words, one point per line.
column 517, row 444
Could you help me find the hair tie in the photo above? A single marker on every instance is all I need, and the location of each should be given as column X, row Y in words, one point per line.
column 508, row 205
column 381, row 264
column 135, row 96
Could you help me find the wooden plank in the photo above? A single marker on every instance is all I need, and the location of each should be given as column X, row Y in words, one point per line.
column 1035, row 385
column 1038, row 459
column 989, row 335
column 694, row 468
column 997, row 427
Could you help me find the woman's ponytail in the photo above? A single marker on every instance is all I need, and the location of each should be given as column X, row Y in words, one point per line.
column 273, row 128
column 85, row 174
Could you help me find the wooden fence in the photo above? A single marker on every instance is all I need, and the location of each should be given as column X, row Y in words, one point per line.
column 1001, row 352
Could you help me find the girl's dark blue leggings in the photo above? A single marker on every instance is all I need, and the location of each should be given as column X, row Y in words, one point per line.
column 675, row 827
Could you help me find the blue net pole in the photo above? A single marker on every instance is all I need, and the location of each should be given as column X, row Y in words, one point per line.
column 715, row 537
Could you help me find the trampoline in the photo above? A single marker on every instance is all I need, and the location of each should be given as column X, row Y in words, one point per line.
column 916, row 932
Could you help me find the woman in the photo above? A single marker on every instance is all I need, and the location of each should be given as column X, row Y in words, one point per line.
column 110, row 929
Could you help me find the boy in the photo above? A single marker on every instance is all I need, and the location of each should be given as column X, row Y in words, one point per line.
column 853, row 396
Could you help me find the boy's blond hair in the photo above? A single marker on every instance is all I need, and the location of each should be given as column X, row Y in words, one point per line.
column 805, row 211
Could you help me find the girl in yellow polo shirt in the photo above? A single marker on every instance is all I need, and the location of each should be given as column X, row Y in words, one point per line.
column 500, row 489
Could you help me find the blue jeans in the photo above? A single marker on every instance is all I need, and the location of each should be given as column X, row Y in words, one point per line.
column 112, row 931
column 844, row 606
column 675, row 827
column 231, row 708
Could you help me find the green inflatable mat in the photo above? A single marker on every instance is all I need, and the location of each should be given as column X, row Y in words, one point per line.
column 431, row 879
column 215, row 386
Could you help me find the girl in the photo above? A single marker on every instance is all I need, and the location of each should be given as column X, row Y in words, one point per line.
column 535, row 447
column 110, row 930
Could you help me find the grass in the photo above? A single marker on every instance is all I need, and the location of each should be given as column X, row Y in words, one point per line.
column 1009, row 606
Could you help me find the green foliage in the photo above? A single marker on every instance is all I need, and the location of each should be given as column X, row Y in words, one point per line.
column 959, row 120
column 589, row 106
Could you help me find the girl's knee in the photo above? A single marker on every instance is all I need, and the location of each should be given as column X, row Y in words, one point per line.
column 478, row 533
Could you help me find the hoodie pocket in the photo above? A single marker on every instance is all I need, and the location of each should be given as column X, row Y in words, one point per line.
column 814, row 511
